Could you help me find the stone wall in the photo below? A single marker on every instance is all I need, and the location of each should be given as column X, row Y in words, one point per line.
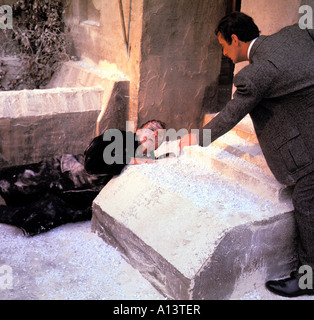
column 180, row 60
column 174, row 58
column 101, row 42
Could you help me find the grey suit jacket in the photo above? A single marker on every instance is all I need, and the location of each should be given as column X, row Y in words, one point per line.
column 277, row 90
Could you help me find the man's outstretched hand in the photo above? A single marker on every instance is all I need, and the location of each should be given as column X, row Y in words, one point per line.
column 174, row 147
column 188, row 140
column 168, row 148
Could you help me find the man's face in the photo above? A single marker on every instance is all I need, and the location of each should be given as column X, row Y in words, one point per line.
column 147, row 139
column 230, row 50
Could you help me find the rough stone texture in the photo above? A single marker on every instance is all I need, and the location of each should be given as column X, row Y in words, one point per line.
column 115, row 91
column 192, row 233
column 180, row 60
column 243, row 162
column 36, row 124
column 174, row 59
column 80, row 102
column 99, row 40
column 265, row 246
column 12, row 66
column 35, row 103
column 237, row 155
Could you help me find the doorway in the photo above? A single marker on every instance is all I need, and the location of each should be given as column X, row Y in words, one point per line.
column 225, row 83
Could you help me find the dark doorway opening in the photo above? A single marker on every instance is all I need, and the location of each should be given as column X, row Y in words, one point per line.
column 225, row 83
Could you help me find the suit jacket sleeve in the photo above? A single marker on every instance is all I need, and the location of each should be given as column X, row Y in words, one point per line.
column 253, row 84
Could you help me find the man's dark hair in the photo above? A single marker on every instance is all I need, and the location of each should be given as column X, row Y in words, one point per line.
column 240, row 24
column 153, row 125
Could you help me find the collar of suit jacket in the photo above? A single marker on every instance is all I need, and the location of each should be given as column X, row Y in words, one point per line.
column 250, row 47
column 255, row 46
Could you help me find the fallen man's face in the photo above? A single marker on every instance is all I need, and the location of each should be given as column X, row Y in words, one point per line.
column 147, row 140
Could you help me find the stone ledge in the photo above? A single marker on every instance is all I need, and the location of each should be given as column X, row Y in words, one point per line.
column 243, row 162
column 85, row 74
column 80, row 102
column 39, row 124
column 45, row 102
column 243, row 172
column 237, row 155
column 243, row 129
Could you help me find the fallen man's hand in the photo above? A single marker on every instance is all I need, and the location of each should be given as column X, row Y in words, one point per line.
column 141, row 160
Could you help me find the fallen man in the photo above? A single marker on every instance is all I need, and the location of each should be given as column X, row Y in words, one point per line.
column 45, row 195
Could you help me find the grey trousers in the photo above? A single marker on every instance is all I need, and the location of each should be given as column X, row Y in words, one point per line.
column 303, row 201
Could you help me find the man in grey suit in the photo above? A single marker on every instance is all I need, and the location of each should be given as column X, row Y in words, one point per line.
column 277, row 90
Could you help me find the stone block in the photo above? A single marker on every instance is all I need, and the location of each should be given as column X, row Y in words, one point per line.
column 190, row 231
column 244, row 163
column 114, row 85
column 38, row 124
column 238, row 156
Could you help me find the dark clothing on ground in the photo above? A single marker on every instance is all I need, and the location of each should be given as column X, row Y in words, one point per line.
column 45, row 195
column 40, row 196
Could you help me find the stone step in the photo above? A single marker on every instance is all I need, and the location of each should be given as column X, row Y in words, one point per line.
column 243, row 129
column 236, row 160
column 190, row 231
column 237, row 155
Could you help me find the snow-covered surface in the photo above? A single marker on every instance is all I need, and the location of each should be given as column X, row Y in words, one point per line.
column 68, row 263
column 71, row 263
